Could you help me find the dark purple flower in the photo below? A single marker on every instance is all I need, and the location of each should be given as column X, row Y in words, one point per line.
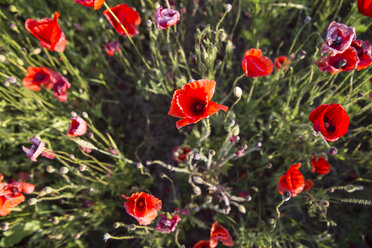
column 167, row 225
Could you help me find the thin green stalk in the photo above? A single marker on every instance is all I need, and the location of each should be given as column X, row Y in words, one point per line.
column 207, row 130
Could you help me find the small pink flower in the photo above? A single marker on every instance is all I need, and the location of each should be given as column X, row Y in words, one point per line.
column 165, row 18
column 112, row 47
column 167, row 225
column 77, row 127
column 37, row 148
column 60, row 86
column 339, row 38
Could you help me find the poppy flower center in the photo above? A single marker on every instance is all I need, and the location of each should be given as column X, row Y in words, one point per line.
column 337, row 41
column 341, row 63
column 199, row 107
column 328, row 126
column 39, row 77
column 141, row 203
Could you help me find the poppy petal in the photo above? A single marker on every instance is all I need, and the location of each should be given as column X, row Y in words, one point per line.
column 186, row 121
column 214, row 107
column 175, row 110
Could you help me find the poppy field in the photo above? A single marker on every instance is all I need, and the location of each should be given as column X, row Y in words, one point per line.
column 185, row 123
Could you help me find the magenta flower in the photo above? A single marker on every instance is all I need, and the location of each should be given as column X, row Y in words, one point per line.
column 339, row 38
column 60, row 86
column 78, row 127
column 112, row 47
column 165, row 18
column 167, row 225
column 37, row 148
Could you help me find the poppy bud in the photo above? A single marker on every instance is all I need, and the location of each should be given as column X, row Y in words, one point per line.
column 106, row 237
column 269, row 165
column 37, row 51
column 58, row 237
column 6, row 83
column 360, row 94
column 73, row 114
column 324, row 203
column 90, row 135
column 12, row 80
column 132, row 227
column 50, row 169
column 286, row 196
column 4, row 226
column 307, row 19
column 196, row 190
column 198, row 180
column 196, row 156
column 77, row 236
column 212, row 152
column 149, row 23
column 302, row 54
column 139, row 165
column 228, row 7
column 55, row 221
column 72, row 156
column 242, row 209
column 116, row 225
column 2, row 58
column 70, row 218
column 32, row 201
column 85, row 114
column 84, row 214
column 82, row 167
column 333, row 151
column 47, row 190
column 238, row 92
column 63, row 170
column 259, row 144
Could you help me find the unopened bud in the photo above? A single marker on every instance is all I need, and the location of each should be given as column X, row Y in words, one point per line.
column 333, row 151
column 77, row 236
column 132, row 227
column 55, row 221
column 73, row 114
column 2, row 58
column 212, row 152
column 269, row 165
column 58, row 237
column 106, row 237
column 149, row 23
column 32, row 201
column 196, row 156
column 90, row 135
column 331, row 189
column 139, row 165
column 37, row 51
column 228, row 7
column 196, row 190
column 70, row 218
column 197, row 179
column 325, row 203
column 302, row 54
column 50, row 169
column 259, row 144
column 238, row 92
column 360, row 94
column 47, row 190
column 84, row 214
column 82, row 167
column 116, row 225
column 72, row 156
column 307, row 19
column 242, row 209
column 63, row 170
column 12, row 80
column 4, row 226
column 286, row 195
column 85, row 114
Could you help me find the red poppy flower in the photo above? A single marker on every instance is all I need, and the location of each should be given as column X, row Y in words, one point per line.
column 36, row 77
column 37, row 148
column 218, row 232
column 363, row 49
column 256, row 65
column 165, row 18
column 128, row 17
column 179, row 154
column 346, row 61
column 281, row 62
column 365, row 7
column 78, row 127
column 193, row 102
column 292, row 181
column 339, row 38
column 320, row 165
column 167, row 225
column 112, row 47
column 48, row 32
column 60, row 87
column 143, row 207
column 96, row 4
column 331, row 120
column 11, row 194
column 308, row 184
column 202, row 244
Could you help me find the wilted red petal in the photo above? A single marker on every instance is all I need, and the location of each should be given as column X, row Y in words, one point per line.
column 363, row 49
column 218, row 232
column 202, row 244
column 320, row 165
column 281, row 62
column 345, row 61
column 292, row 181
column 127, row 16
column 175, row 110
column 308, row 184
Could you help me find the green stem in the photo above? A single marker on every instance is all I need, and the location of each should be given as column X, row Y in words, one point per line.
column 251, row 91
column 207, row 130
column 233, row 86
column 277, row 208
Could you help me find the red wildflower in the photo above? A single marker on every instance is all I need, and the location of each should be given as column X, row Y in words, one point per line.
column 308, row 184
column 363, row 49
column 36, row 77
column 127, row 16
column 339, row 38
column 167, row 225
column 179, row 154
column 346, row 61
column 112, row 47
column 48, row 32
column 202, row 244
column 143, row 207
column 96, row 4
column 365, row 7
column 11, row 194
column 320, row 165
column 218, row 232
column 193, row 102
column 331, row 120
column 60, row 86
column 256, row 65
column 37, row 148
column 292, row 181
column 281, row 62
column 78, row 127
column 165, row 18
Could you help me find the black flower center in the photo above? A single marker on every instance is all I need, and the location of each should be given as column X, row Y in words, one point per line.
column 39, row 77
column 337, row 41
column 341, row 63
column 329, row 126
column 199, row 107
column 141, row 203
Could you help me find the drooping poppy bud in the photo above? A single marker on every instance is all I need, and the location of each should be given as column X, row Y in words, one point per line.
column 320, row 165
column 292, row 181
